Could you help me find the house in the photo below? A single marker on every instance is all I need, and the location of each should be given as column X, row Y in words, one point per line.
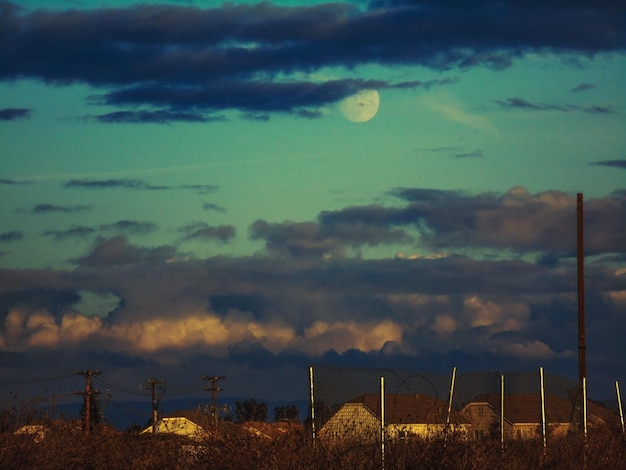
column 190, row 423
column 405, row 416
column 522, row 415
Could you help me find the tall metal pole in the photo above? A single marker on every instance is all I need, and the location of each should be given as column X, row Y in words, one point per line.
column 502, row 413
column 585, row 407
column 582, row 347
column 543, row 407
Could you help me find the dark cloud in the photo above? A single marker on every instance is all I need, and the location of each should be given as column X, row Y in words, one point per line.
column 611, row 163
column 135, row 184
column 256, row 117
column 419, row 84
column 308, row 114
column 327, row 238
column 36, row 297
column 516, row 220
column 207, row 206
column 152, row 117
column 46, row 208
column 185, row 59
column 270, row 315
column 252, row 96
column 353, row 291
column 113, row 183
column 11, row 236
column 583, row 87
column 12, row 182
column 74, row 232
column 117, row 251
column 130, row 226
column 475, row 154
column 267, row 316
column 437, row 149
column 596, row 109
column 12, row 114
column 204, row 231
column 568, row 108
column 201, row 188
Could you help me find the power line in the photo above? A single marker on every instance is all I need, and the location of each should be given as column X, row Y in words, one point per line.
column 110, row 385
column 35, row 380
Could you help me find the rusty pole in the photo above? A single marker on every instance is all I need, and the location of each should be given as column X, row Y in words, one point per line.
column 582, row 347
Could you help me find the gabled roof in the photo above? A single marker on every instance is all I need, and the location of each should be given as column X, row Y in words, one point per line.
column 195, row 416
column 526, row 408
column 410, row 409
column 182, row 422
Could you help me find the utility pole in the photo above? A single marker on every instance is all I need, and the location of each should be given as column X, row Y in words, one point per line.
column 154, row 384
column 213, row 389
column 582, row 347
column 87, row 395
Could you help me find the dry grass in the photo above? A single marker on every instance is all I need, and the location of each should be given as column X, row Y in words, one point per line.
column 65, row 446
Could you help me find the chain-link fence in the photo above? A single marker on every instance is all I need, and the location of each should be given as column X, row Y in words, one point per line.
column 375, row 404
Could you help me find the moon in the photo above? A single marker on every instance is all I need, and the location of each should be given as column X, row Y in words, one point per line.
column 360, row 107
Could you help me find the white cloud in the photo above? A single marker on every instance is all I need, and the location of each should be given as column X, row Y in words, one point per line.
column 452, row 108
column 503, row 316
column 445, row 324
column 529, row 350
column 341, row 336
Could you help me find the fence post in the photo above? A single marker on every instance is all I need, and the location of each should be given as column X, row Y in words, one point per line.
column 619, row 406
column 312, row 399
column 450, row 397
column 449, row 411
column 382, row 422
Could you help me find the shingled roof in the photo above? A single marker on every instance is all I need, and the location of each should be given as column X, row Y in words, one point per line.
column 526, row 408
column 410, row 409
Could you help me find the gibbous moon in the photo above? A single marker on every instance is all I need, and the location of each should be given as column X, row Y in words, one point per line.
column 361, row 106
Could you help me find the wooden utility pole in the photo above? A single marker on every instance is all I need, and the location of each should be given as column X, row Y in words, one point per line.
column 213, row 389
column 582, row 346
column 87, row 395
column 154, row 384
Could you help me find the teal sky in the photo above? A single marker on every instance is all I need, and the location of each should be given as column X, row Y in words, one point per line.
column 210, row 160
column 452, row 137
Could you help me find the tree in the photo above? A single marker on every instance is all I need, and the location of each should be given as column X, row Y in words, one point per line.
column 287, row 413
column 250, row 410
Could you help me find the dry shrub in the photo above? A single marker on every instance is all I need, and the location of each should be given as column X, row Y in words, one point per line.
column 65, row 446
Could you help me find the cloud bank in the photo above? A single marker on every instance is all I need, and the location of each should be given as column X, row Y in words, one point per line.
column 310, row 293
column 184, row 63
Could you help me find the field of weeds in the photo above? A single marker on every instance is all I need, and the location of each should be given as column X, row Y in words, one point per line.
column 65, row 446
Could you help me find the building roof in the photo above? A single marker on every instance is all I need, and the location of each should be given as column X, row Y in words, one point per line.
column 410, row 409
column 526, row 408
column 197, row 417
column 183, row 422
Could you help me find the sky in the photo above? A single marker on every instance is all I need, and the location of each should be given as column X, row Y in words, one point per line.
column 185, row 193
